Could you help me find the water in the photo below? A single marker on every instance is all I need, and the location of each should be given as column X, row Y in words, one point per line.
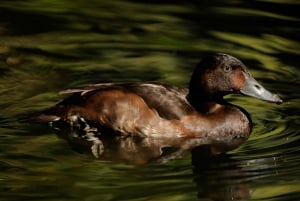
column 47, row 46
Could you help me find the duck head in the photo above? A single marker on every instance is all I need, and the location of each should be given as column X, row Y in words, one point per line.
column 222, row 74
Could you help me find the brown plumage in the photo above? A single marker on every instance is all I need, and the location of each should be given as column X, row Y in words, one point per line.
column 158, row 110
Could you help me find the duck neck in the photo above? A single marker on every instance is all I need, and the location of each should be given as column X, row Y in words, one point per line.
column 204, row 102
column 202, row 95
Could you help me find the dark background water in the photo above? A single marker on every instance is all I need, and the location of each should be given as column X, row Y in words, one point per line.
column 47, row 46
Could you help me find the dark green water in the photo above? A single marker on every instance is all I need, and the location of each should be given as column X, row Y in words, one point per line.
column 47, row 46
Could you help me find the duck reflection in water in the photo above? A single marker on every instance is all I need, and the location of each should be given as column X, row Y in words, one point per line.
column 217, row 176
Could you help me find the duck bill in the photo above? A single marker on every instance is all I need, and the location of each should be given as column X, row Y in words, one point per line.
column 254, row 89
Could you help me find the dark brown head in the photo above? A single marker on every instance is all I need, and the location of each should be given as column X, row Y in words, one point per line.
column 222, row 74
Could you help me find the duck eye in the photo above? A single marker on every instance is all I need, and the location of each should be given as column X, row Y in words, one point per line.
column 227, row 69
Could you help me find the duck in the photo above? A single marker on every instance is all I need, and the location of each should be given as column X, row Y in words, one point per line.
column 157, row 110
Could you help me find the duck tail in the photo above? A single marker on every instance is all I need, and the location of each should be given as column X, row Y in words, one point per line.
column 56, row 112
column 49, row 115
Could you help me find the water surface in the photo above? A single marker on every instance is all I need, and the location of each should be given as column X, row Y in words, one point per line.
column 48, row 46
